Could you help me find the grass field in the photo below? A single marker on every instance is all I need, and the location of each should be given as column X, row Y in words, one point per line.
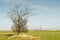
column 44, row 35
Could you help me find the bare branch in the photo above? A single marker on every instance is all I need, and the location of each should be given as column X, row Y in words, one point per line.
column 19, row 18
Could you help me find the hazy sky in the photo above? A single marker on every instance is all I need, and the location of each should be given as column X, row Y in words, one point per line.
column 47, row 13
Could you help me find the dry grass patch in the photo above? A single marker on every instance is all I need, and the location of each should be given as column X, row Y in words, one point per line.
column 25, row 36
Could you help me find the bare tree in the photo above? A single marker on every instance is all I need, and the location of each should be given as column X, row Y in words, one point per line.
column 19, row 18
column 40, row 28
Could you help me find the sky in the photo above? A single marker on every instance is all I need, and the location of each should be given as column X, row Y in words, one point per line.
column 47, row 13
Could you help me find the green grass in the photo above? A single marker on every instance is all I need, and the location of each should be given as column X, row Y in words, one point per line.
column 45, row 35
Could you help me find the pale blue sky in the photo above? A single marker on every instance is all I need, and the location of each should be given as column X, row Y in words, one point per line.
column 47, row 13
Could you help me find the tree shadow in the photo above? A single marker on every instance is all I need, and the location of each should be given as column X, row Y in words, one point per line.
column 6, row 35
column 9, row 34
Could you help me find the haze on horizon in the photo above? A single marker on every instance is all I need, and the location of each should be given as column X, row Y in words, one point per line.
column 47, row 13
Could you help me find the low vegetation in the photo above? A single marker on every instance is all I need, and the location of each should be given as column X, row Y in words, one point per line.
column 30, row 35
